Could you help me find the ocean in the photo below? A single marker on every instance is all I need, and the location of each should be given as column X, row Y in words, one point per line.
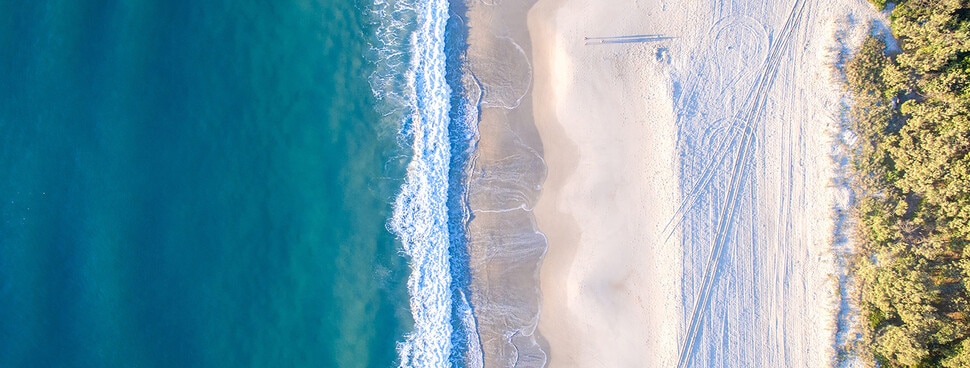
column 217, row 183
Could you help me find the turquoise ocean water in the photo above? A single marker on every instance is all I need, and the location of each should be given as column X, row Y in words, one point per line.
column 198, row 183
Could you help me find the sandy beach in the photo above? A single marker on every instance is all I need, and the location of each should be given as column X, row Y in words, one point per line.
column 689, row 203
column 611, row 184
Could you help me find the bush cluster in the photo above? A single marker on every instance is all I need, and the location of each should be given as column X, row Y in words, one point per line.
column 911, row 112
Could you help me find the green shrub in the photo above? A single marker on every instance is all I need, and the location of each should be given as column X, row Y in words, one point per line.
column 912, row 169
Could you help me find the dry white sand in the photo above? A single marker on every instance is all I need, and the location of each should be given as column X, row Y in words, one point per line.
column 689, row 200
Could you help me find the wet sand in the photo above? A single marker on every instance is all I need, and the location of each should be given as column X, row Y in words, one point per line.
column 504, row 183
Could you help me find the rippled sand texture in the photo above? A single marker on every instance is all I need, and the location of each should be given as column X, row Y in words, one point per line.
column 504, row 182
column 690, row 204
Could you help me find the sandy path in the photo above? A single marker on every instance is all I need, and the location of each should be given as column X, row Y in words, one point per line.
column 688, row 204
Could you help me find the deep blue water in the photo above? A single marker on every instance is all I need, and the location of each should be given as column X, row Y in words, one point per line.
column 195, row 183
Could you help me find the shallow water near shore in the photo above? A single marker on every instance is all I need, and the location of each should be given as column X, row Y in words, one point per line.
column 195, row 184
column 239, row 184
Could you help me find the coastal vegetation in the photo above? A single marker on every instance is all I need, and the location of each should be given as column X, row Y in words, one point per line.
column 911, row 114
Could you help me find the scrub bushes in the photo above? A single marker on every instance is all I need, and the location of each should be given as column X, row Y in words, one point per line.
column 912, row 174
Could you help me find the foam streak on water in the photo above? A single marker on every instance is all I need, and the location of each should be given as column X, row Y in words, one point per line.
column 420, row 218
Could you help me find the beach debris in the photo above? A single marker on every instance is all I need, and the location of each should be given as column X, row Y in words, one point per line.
column 662, row 55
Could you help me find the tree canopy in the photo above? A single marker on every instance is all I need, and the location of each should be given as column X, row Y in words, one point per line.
column 912, row 173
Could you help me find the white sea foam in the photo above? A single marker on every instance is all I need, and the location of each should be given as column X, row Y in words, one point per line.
column 420, row 218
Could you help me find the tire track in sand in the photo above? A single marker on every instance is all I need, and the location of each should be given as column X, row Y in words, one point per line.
column 725, row 52
column 752, row 110
column 723, row 144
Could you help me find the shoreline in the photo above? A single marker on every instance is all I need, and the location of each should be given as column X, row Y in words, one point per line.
column 505, row 248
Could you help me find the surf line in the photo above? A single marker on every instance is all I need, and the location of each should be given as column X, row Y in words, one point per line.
column 420, row 216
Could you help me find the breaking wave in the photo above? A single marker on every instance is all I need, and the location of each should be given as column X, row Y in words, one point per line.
column 437, row 125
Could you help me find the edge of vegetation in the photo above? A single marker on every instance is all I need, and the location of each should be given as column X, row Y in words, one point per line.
column 911, row 173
